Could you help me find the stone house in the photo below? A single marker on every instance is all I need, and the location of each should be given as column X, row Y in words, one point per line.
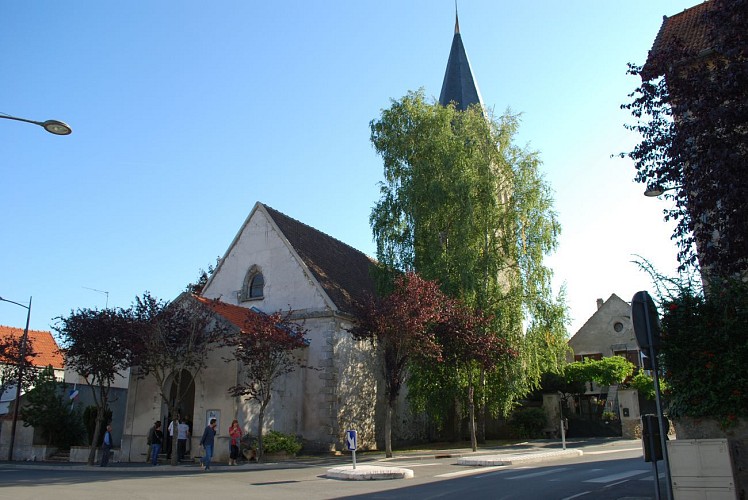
column 610, row 332
column 276, row 263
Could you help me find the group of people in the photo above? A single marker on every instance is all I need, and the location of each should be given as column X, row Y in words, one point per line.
column 207, row 441
column 156, row 440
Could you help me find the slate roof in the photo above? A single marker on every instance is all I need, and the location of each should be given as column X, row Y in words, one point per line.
column 343, row 272
column 459, row 85
column 681, row 37
column 47, row 350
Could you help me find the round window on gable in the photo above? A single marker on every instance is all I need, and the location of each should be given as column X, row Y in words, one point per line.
column 254, row 284
column 618, row 326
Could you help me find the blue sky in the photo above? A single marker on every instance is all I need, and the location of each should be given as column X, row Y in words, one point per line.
column 185, row 113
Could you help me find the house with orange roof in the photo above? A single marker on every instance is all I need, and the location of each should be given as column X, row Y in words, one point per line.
column 47, row 354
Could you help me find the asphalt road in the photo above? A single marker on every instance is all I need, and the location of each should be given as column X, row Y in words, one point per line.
column 611, row 469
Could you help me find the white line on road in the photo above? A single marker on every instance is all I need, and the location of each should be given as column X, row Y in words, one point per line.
column 468, row 472
column 536, row 474
column 391, row 464
column 616, row 477
column 577, row 495
column 615, row 484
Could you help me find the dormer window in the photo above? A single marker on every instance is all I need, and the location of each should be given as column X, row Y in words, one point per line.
column 254, row 284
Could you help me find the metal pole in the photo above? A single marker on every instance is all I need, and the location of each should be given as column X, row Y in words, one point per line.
column 21, row 363
column 658, row 401
column 354, row 459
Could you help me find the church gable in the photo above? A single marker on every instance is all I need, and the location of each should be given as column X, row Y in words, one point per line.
column 261, row 269
column 276, row 261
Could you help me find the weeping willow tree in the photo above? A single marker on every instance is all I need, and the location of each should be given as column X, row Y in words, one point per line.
column 462, row 205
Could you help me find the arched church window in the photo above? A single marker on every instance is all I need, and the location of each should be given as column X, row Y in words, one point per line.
column 254, row 284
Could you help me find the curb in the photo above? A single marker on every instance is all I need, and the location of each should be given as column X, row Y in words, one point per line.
column 368, row 472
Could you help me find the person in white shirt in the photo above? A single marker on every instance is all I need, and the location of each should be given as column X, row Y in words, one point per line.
column 183, row 434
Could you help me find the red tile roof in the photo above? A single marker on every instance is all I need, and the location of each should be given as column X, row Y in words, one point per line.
column 47, row 350
column 681, row 37
column 236, row 315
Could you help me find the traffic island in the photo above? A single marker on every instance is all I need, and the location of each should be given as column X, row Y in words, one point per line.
column 368, row 473
column 518, row 458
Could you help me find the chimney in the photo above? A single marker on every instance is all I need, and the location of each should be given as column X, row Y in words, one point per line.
column 599, row 303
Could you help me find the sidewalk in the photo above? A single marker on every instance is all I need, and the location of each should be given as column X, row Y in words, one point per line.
column 370, row 465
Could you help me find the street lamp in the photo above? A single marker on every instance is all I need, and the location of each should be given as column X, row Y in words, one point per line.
column 655, row 190
column 21, row 360
column 52, row 126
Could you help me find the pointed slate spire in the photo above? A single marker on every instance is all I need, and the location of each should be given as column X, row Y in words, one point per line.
column 459, row 85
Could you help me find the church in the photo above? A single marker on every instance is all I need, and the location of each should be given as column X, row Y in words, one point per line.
column 277, row 263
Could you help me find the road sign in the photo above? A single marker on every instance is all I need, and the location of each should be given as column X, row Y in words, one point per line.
column 646, row 321
column 350, row 440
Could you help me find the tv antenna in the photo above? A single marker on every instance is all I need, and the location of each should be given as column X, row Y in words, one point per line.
column 100, row 291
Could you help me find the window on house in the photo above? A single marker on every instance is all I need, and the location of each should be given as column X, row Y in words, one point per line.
column 254, row 284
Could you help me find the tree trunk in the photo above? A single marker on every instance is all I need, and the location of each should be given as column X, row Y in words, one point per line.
column 174, row 440
column 260, row 423
column 471, row 407
column 388, row 431
column 482, row 408
column 95, row 438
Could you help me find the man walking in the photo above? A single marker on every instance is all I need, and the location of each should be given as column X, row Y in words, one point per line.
column 206, row 442
column 106, row 446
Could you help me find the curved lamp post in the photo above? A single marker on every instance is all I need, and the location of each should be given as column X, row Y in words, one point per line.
column 22, row 357
column 52, row 126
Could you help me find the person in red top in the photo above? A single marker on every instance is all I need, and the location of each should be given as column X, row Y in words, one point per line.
column 235, row 433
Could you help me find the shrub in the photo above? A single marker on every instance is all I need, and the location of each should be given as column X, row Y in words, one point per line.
column 608, row 416
column 274, row 442
column 89, row 420
column 529, row 422
column 705, row 351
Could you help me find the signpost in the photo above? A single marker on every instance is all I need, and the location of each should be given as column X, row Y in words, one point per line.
column 350, row 442
column 646, row 323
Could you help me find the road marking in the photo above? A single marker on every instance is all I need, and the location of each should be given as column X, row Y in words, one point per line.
column 616, row 484
column 577, row 495
column 412, row 465
column 605, row 452
column 536, row 474
column 469, row 472
column 616, row 477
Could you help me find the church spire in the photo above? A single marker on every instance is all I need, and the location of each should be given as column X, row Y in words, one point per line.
column 459, row 85
column 457, row 20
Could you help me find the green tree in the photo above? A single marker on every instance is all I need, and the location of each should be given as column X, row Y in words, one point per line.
column 98, row 346
column 462, row 205
column 47, row 410
column 606, row 371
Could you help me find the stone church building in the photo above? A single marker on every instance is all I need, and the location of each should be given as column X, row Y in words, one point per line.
column 278, row 263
